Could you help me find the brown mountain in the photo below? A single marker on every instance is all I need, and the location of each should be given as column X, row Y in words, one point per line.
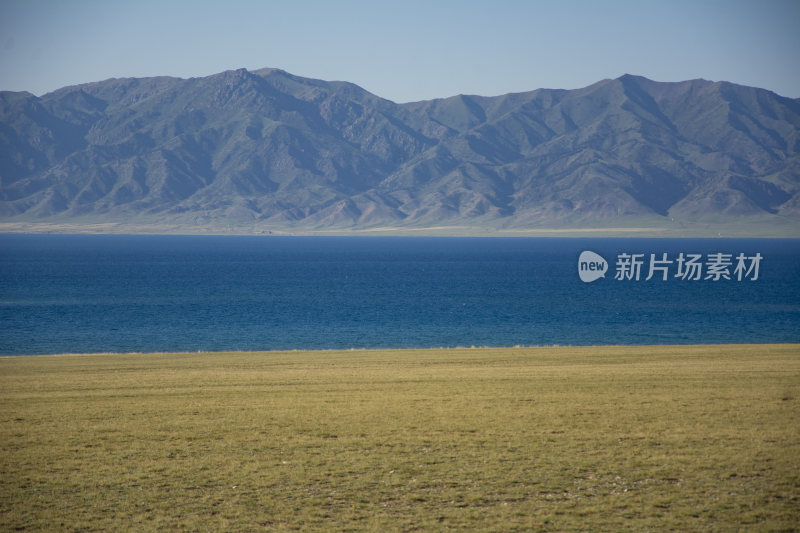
column 266, row 149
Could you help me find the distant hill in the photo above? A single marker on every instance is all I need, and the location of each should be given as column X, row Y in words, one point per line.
column 266, row 150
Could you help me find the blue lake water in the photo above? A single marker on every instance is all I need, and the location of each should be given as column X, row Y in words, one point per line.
column 99, row 293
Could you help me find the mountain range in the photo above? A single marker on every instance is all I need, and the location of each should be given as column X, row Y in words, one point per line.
column 265, row 150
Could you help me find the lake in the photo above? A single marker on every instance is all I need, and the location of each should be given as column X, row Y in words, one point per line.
column 126, row 293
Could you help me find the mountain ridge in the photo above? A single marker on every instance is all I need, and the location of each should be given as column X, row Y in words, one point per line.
column 269, row 150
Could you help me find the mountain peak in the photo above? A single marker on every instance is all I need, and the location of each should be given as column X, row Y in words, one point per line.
column 632, row 78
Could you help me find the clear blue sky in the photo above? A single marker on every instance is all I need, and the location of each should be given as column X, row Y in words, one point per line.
column 404, row 50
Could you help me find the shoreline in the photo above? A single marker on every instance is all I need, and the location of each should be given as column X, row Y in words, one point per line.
column 705, row 230
column 459, row 349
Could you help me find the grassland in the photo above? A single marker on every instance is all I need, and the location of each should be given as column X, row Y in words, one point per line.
column 551, row 439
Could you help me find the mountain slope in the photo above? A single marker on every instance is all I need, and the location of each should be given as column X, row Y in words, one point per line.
column 265, row 147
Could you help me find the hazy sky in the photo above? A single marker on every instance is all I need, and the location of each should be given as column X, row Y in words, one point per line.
column 404, row 50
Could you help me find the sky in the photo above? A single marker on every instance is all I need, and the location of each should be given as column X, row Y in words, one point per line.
column 404, row 50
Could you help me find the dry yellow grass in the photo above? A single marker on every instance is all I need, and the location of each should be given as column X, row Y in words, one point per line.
column 601, row 439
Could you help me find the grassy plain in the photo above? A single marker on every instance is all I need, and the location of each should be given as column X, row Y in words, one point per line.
column 599, row 439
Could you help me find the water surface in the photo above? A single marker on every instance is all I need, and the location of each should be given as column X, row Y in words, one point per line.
column 98, row 293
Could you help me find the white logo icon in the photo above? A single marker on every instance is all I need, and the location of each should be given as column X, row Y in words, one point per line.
column 591, row 266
